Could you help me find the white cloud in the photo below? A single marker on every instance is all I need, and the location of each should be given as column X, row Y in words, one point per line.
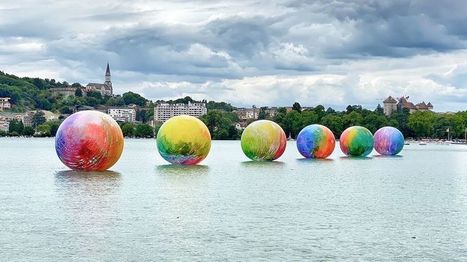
column 246, row 52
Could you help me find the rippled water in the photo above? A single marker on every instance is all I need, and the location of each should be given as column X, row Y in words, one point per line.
column 411, row 207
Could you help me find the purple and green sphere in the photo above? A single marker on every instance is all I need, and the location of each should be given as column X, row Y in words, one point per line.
column 356, row 141
column 389, row 141
column 316, row 141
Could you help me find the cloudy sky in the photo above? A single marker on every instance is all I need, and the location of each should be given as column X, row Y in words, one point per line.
column 247, row 52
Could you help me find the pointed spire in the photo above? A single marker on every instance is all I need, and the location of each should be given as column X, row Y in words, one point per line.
column 107, row 71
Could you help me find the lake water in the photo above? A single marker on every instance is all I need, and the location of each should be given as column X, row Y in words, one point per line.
column 411, row 207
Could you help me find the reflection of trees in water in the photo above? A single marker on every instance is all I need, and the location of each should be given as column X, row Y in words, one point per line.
column 182, row 170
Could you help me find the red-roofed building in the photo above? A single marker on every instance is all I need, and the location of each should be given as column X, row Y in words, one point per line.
column 391, row 105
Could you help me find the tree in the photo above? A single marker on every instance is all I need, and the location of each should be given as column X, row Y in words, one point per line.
column 379, row 110
column 28, row 131
column 78, row 92
column 133, row 98
column 262, row 113
column 353, row 119
column 38, row 118
column 335, row 123
column 128, row 129
column 221, row 124
column 421, row 123
column 15, row 126
column 54, row 125
column 297, row 107
column 144, row 130
column 43, row 130
column 94, row 94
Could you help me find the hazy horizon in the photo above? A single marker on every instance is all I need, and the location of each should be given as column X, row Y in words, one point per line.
column 249, row 52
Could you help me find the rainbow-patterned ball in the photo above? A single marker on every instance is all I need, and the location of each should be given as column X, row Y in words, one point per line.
column 388, row 140
column 316, row 141
column 89, row 141
column 356, row 141
column 184, row 140
column 263, row 140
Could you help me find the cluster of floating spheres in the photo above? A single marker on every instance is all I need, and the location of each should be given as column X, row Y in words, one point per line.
column 93, row 141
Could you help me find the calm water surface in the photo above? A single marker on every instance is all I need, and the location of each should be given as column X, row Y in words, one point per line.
column 407, row 208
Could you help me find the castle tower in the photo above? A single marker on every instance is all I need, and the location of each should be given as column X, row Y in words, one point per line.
column 390, row 105
column 108, row 79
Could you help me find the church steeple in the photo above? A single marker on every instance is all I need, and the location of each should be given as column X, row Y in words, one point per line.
column 108, row 79
column 107, row 73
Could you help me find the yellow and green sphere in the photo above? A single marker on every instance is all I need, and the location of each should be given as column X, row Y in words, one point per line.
column 263, row 140
column 184, row 140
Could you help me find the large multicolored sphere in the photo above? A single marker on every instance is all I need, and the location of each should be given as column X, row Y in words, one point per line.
column 263, row 140
column 356, row 141
column 184, row 140
column 89, row 141
column 316, row 141
column 388, row 140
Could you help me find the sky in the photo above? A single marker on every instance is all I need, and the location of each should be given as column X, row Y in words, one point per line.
column 247, row 52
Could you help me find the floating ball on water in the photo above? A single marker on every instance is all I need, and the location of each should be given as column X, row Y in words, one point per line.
column 263, row 140
column 356, row 141
column 316, row 141
column 388, row 140
column 89, row 141
column 184, row 140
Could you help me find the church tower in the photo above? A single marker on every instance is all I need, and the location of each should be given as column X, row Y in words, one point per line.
column 108, row 80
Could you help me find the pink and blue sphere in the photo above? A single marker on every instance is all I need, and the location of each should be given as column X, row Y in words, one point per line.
column 388, row 141
column 89, row 141
column 316, row 141
column 356, row 141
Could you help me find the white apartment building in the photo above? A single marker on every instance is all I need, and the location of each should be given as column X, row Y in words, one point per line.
column 164, row 111
column 123, row 114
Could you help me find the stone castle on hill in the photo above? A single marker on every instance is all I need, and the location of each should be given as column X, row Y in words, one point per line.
column 392, row 105
column 105, row 89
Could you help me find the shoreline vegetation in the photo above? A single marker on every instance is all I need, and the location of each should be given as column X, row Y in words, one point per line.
column 34, row 94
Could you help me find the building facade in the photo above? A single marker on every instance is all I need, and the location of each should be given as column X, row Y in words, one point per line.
column 106, row 88
column 5, row 103
column 164, row 111
column 247, row 113
column 64, row 91
column 391, row 105
column 123, row 114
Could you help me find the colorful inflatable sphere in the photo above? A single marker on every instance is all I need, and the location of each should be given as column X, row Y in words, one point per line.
column 388, row 140
column 356, row 141
column 316, row 141
column 184, row 140
column 89, row 141
column 263, row 140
